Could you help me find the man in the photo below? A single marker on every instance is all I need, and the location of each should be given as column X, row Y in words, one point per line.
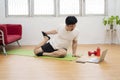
column 58, row 45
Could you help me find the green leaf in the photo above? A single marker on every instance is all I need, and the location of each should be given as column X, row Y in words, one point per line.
column 110, row 20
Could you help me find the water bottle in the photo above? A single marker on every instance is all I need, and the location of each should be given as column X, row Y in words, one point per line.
column 98, row 52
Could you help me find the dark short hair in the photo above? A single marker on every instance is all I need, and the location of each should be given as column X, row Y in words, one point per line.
column 71, row 20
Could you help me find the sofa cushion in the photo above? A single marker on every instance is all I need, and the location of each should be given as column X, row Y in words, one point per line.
column 12, row 38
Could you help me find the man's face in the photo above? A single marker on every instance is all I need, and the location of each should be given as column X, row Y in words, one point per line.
column 70, row 27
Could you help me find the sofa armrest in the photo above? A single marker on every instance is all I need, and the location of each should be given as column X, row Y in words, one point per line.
column 4, row 30
column 14, row 29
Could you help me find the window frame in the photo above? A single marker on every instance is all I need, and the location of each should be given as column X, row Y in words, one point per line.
column 105, row 10
column 80, row 10
column 7, row 14
column 32, row 10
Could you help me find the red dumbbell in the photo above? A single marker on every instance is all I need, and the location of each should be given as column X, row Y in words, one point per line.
column 92, row 52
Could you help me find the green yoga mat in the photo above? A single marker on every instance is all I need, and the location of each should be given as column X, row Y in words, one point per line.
column 26, row 52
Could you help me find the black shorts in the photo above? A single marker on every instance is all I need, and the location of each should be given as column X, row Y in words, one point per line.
column 48, row 48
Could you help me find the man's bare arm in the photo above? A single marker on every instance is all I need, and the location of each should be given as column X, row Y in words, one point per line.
column 51, row 32
column 74, row 48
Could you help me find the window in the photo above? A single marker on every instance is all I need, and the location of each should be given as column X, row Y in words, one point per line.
column 17, row 7
column 55, row 7
column 44, row 7
column 69, row 7
column 94, row 7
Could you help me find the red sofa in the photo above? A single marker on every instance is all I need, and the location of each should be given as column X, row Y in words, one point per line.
column 10, row 33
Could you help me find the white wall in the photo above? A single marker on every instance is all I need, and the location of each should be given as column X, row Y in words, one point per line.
column 118, row 7
column 91, row 28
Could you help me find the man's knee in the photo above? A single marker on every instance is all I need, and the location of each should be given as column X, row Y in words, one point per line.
column 36, row 51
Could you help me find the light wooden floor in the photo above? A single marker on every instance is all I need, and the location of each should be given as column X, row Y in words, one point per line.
column 14, row 67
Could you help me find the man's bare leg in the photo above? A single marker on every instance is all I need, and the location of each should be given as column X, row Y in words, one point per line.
column 38, row 47
column 59, row 53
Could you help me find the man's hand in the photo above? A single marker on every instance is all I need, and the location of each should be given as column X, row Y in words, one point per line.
column 75, row 55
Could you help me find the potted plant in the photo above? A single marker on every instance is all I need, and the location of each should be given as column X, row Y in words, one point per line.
column 112, row 21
